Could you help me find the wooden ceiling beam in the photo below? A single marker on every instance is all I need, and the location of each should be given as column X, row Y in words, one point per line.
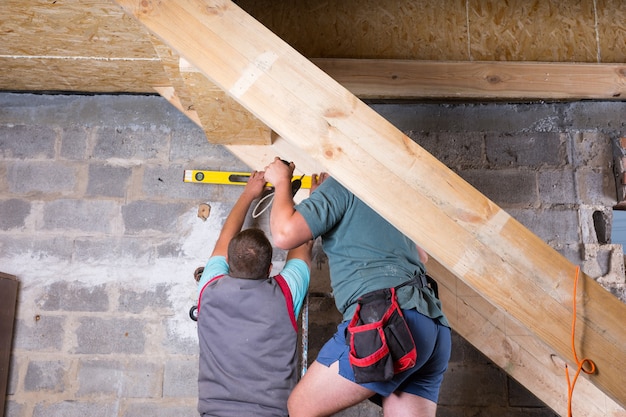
column 366, row 78
column 405, row 79
column 466, row 233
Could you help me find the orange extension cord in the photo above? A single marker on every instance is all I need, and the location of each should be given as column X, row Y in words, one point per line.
column 580, row 364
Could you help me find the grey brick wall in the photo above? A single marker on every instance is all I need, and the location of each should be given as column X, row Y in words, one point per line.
column 103, row 235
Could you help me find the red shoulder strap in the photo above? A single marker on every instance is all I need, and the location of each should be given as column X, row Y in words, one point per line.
column 288, row 299
column 202, row 290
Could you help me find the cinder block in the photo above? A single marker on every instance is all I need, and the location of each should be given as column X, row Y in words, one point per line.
column 45, row 376
column 71, row 408
column 148, row 215
column 143, row 380
column 74, row 141
column 557, row 186
column 192, row 141
column 134, row 379
column 573, row 254
column 601, row 116
column 591, row 150
column 505, row 187
column 27, row 142
column 13, row 213
column 596, row 186
column 180, row 378
column 83, row 215
column 108, row 181
column 153, row 299
column 15, row 409
column 556, row 227
column 113, row 249
column 43, row 177
column 37, row 247
column 176, row 344
column 530, row 150
column 102, row 336
column 137, row 142
column 99, row 378
column 456, row 150
column 167, row 182
column 39, row 333
column 73, row 296
column 495, row 117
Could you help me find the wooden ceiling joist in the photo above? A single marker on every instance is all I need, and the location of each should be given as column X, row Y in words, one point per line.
column 365, row 78
column 406, row 79
column 467, row 234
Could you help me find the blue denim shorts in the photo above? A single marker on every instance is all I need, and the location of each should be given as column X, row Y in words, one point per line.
column 433, row 344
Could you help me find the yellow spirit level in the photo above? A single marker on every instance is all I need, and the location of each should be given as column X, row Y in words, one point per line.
column 229, row 178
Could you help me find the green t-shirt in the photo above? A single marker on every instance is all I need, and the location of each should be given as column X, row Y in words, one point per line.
column 365, row 252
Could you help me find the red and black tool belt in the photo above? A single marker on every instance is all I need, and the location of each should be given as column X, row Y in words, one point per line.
column 381, row 344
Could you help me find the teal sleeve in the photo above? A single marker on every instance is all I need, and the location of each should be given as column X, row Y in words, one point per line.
column 297, row 276
column 215, row 266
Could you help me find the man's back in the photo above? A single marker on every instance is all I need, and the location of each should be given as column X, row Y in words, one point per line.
column 248, row 347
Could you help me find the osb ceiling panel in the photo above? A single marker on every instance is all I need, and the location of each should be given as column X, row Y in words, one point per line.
column 400, row 29
column 450, row 30
column 612, row 30
column 71, row 28
column 521, row 30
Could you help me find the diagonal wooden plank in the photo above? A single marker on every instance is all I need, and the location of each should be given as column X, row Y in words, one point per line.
column 526, row 358
column 465, row 232
column 496, row 333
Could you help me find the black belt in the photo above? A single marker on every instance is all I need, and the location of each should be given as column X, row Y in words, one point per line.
column 420, row 281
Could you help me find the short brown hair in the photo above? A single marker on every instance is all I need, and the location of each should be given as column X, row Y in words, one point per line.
column 250, row 254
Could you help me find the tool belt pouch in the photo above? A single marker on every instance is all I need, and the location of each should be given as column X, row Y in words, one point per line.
column 381, row 344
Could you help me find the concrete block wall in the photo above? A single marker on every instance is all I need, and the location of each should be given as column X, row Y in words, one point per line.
column 101, row 231
column 103, row 235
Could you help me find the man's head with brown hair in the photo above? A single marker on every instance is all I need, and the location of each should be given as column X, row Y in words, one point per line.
column 250, row 255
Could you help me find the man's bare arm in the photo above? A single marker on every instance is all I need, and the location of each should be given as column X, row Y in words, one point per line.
column 234, row 221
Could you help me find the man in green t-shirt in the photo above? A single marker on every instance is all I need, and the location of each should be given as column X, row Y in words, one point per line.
column 365, row 253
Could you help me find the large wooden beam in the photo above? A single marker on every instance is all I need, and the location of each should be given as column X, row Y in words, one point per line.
column 497, row 334
column 466, row 233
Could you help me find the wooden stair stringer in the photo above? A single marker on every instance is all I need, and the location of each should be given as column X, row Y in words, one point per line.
column 462, row 230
